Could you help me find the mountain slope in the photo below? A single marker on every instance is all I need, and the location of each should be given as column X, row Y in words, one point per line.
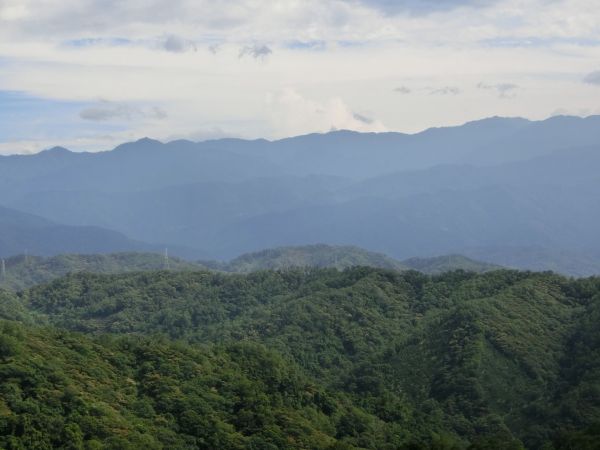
column 20, row 231
column 440, row 264
column 25, row 271
column 487, row 184
column 319, row 255
column 453, row 355
column 65, row 390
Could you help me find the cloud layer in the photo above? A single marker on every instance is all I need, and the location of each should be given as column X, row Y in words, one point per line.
column 275, row 68
column 593, row 78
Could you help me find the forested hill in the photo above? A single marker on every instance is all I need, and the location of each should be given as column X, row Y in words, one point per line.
column 24, row 271
column 446, row 263
column 67, row 391
column 320, row 255
column 364, row 358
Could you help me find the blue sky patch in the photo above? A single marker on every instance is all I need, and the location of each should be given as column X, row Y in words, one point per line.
column 26, row 117
column 90, row 42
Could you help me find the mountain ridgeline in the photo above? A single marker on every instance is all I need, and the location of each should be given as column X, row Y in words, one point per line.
column 343, row 257
column 509, row 191
column 25, row 270
column 321, row 255
column 363, row 358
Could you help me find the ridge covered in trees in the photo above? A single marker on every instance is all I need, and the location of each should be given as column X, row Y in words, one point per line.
column 24, row 271
column 363, row 358
column 318, row 255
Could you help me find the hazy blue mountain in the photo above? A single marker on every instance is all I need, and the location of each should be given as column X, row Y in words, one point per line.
column 144, row 164
column 149, row 164
column 568, row 167
column 21, row 232
column 579, row 263
column 539, row 138
column 490, row 184
column 427, row 224
column 186, row 215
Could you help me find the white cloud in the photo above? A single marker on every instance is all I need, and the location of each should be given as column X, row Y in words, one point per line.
column 108, row 111
column 255, row 51
column 403, row 90
column 292, row 114
column 592, row 78
column 176, row 44
column 344, row 58
column 445, row 90
column 503, row 90
column 13, row 10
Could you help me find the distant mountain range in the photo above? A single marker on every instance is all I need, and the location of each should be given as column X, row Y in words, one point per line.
column 508, row 191
column 21, row 232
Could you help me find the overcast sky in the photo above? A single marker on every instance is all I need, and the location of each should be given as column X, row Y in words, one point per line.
column 90, row 74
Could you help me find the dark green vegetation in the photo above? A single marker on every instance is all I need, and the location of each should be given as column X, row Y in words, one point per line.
column 440, row 264
column 303, row 358
column 64, row 390
column 320, row 255
column 25, row 271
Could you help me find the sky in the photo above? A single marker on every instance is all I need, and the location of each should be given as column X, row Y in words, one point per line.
column 90, row 74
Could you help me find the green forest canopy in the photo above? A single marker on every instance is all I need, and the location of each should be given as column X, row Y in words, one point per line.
column 303, row 358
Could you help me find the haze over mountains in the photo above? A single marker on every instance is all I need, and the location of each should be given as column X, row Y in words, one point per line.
column 507, row 191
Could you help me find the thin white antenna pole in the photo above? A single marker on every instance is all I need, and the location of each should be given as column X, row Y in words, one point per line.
column 3, row 271
column 167, row 262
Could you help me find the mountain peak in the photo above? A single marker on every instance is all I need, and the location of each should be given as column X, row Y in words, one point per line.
column 147, row 140
column 141, row 144
column 57, row 150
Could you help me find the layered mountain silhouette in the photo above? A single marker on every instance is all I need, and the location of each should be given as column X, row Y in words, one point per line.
column 21, row 232
column 504, row 190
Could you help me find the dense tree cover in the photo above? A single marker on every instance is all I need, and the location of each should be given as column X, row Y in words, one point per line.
column 64, row 390
column 503, row 359
column 12, row 308
column 319, row 255
column 440, row 264
column 25, row 271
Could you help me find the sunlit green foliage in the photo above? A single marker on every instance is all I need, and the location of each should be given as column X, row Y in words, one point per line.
column 365, row 358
